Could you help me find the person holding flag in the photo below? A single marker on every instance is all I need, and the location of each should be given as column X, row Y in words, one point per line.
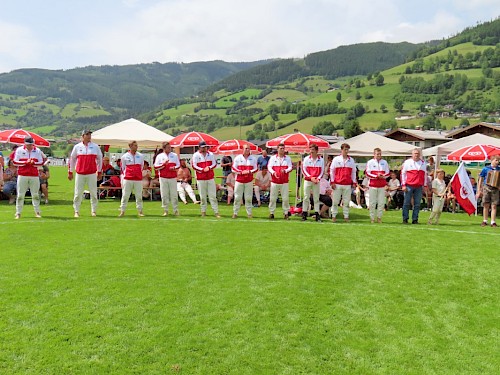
column 489, row 193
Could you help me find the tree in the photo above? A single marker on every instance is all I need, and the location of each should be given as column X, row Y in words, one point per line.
column 379, row 81
column 324, row 127
column 358, row 95
column 398, row 104
column 352, row 128
column 383, row 108
column 339, row 96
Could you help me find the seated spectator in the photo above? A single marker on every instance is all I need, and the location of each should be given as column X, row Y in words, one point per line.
column 262, row 183
column 114, row 182
column 107, row 168
column 146, row 179
column 184, row 178
column 325, row 197
column 394, row 193
column 44, row 175
column 10, row 181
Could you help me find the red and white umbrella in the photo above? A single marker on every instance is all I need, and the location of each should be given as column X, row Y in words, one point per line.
column 298, row 142
column 17, row 136
column 235, row 146
column 192, row 139
column 474, row 153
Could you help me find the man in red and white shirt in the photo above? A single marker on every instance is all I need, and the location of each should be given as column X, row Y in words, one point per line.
column 166, row 165
column 377, row 171
column 244, row 166
column 313, row 168
column 413, row 182
column 204, row 163
column 342, row 179
column 86, row 161
column 131, row 169
column 28, row 158
column 279, row 166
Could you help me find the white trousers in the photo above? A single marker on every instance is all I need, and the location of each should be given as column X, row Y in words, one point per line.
column 80, row 181
column 308, row 187
column 127, row 187
column 273, row 197
column 183, row 188
column 243, row 189
column 377, row 202
column 23, row 184
column 207, row 188
column 341, row 192
column 168, row 192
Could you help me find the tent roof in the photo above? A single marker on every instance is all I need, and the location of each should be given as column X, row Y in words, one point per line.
column 120, row 134
column 363, row 145
column 451, row 146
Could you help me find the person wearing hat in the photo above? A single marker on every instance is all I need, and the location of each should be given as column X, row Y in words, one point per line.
column 28, row 158
column 86, row 161
column 204, row 163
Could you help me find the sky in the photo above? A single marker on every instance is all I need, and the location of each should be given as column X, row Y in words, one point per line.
column 65, row 34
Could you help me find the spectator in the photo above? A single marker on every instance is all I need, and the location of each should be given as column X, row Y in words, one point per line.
column 263, row 160
column 146, row 180
column 44, row 175
column 107, row 168
column 184, row 183
column 262, row 183
column 10, row 181
column 394, row 193
column 489, row 193
column 226, row 164
column 132, row 163
column 438, row 196
column 414, row 182
column 230, row 182
column 325, row 197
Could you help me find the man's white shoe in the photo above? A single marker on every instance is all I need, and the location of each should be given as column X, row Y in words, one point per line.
column 17, row 216
column 77, row 214
column 37, row 215
column 93, row 214
column 121, row 214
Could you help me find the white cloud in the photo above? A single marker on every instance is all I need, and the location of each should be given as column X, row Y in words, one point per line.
column 18, row 46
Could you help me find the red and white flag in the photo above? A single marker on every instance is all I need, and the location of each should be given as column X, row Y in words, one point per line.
column 462, row 188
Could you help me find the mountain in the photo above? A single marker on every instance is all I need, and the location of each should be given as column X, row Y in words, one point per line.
column 98, row 94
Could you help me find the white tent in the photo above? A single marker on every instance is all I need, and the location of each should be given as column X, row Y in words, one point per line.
column 448, row 147
column 120, row 134
column 363, row 145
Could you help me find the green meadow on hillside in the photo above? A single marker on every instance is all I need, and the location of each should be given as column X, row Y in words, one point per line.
column 194, row 295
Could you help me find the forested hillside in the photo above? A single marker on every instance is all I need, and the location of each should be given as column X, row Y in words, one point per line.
column 68, row 100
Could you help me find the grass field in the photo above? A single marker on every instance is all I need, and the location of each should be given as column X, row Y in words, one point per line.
column 196, row 295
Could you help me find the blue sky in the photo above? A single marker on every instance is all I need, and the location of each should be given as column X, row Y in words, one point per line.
column 63, row 34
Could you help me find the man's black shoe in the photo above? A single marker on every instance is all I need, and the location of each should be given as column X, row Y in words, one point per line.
column 414, row 222
column 317, row 217
column 405, row 221
column 286, row 216
column 304, row 216
column 271, row 216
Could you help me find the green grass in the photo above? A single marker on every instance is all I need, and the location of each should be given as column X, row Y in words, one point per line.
column 198, row 295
